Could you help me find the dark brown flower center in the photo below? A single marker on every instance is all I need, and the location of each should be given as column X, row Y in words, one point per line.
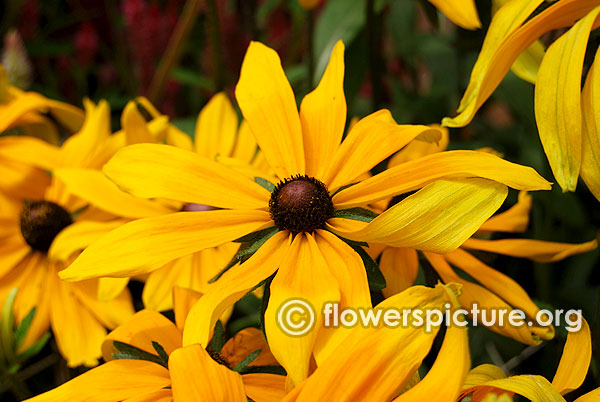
column 300, row 204
column 41, row 221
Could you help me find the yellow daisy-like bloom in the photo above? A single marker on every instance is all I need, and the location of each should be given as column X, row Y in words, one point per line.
column 30, row 230
column 567, row 116
column 192, row 373
column 304, row 212
column 488, row 382
column 381, row 364
column 494, row 290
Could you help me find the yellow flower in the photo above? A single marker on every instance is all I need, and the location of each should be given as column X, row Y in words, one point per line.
column 487, row 379
column 381, row 364
column 302, row 214
column 192, row 373
column 494, row 290
column 567, row 117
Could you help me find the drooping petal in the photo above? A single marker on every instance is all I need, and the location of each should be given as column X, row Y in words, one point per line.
column 146, row 244
column 216, row 128
column 591, row 396
column 420, row 147
column 162, row 171
column 590, row 158
column 462, row 13
column 268, row 105
column 400, row 267
column 533, row 387
column 116, row 380
column 303, row 274
column 575, row 360
column 449, row 165
column 370, row 141
column 232, row 286
column 512, row 220
column 196, row 376
column 537, row 250
column 438, row 218
column 323, row 116
column 558, row 101
column 140, row 330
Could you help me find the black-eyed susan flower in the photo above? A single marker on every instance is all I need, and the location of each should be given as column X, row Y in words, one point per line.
column 488, row 380
column 145, row 361
column 296, row 223
column 494, row 289
column 566, row 115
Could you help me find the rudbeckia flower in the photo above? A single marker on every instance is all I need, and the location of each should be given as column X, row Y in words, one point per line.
column 30, row 229
column 180, row 374
column 487, row 379
column 494, row 290
column 381, row 364
column 296, row 222
column 566, row 115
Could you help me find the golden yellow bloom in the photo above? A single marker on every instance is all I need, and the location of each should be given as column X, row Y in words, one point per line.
column 567, row 117
column 304, row 212
column 487, row 379
column 188, row 374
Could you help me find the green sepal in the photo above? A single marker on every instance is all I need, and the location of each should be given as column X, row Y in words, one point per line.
column 265, row 183
column 162, row 354
column 218, row 340
column 264, row 369
column 356, row 214
column 246, row 361
column 35, row 348
column 127, row 351
column 374, row 276
column 22, row 329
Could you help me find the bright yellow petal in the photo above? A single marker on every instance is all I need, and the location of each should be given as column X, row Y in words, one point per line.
column 268, row 105
column 158, row 288
column 113, row 381
column 303, row 274
column 196, row 376
column 183, row 300
column 30, row 151
column 144, row 245
column 323, row 115
column 419, row 147
column 162, row 171
column 134, row 125
column 462, row 13
column 449, row 165
column 593, row 396
column 482, row 374
column 264, row 387
column 528, row 63
column 438, row 218
column 537, row 250
column 178, row 138
column 515, row 219
column 78, row 236
column 400, row 267
column 575, row 360
column 162, row 395
column 140, row 330
column 216, row 128
column 558, row 101
column 533, row 387
column 22, row 181
column 370, row 141
column 245, row 146
column 590, row 159
column 109, row 288
column 234, row 284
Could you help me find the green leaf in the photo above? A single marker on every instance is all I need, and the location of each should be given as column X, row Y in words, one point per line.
column 357, row 214
column 264, row 369
column 374, row 275
column 192, row 78
column 247, row 360
column 218, row 340
column 127, row 351
column 24, row 327
column 265, row 183
column 164, row 356
column 35, row 348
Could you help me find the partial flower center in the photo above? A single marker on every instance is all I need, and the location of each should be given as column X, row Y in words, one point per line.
column 300, row 204
column 216, row 356
column 41, row 221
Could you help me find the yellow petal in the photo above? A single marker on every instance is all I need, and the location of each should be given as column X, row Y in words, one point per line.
column 216, row 128
column 590, row 158
column 113, row 381
column 196, row 376
column 370, row 141
column 528, row 63
column 420, row 147
column 264, row 387
column 94, row 187
column 439, row 217
column 592, row 396
column 183, row 300
column 134, row 125
column 158, row 288
column 400, row 267
column 245, row 146
column 575, row 360
column 482, row 374
column 78, row 236
column 268, row 105
column 537, row 250
column 162, row 171
column 515, row 219
column 245, row 342
column 451, row 164
column 533, row 387
column 303, row 274
column 30, row 151
column 109, row 288
column 162, row 395
column 462, row 13
column 178, row 138
column 323, row 115
column 23, row 181
column 144, row 245
column 558, row 101
column 140, row 330
column 234, row 283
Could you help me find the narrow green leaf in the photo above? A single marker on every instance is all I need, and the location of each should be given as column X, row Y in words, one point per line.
column 127, row 351
column 357, row 214
column 218, row 340
column 164, row 356
column 374, row 275
column 265, row 183
column 264, row 369
column 22, row 329
column 35, row 348
column 247, row 360
column 7, row 322
column 256, row 236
